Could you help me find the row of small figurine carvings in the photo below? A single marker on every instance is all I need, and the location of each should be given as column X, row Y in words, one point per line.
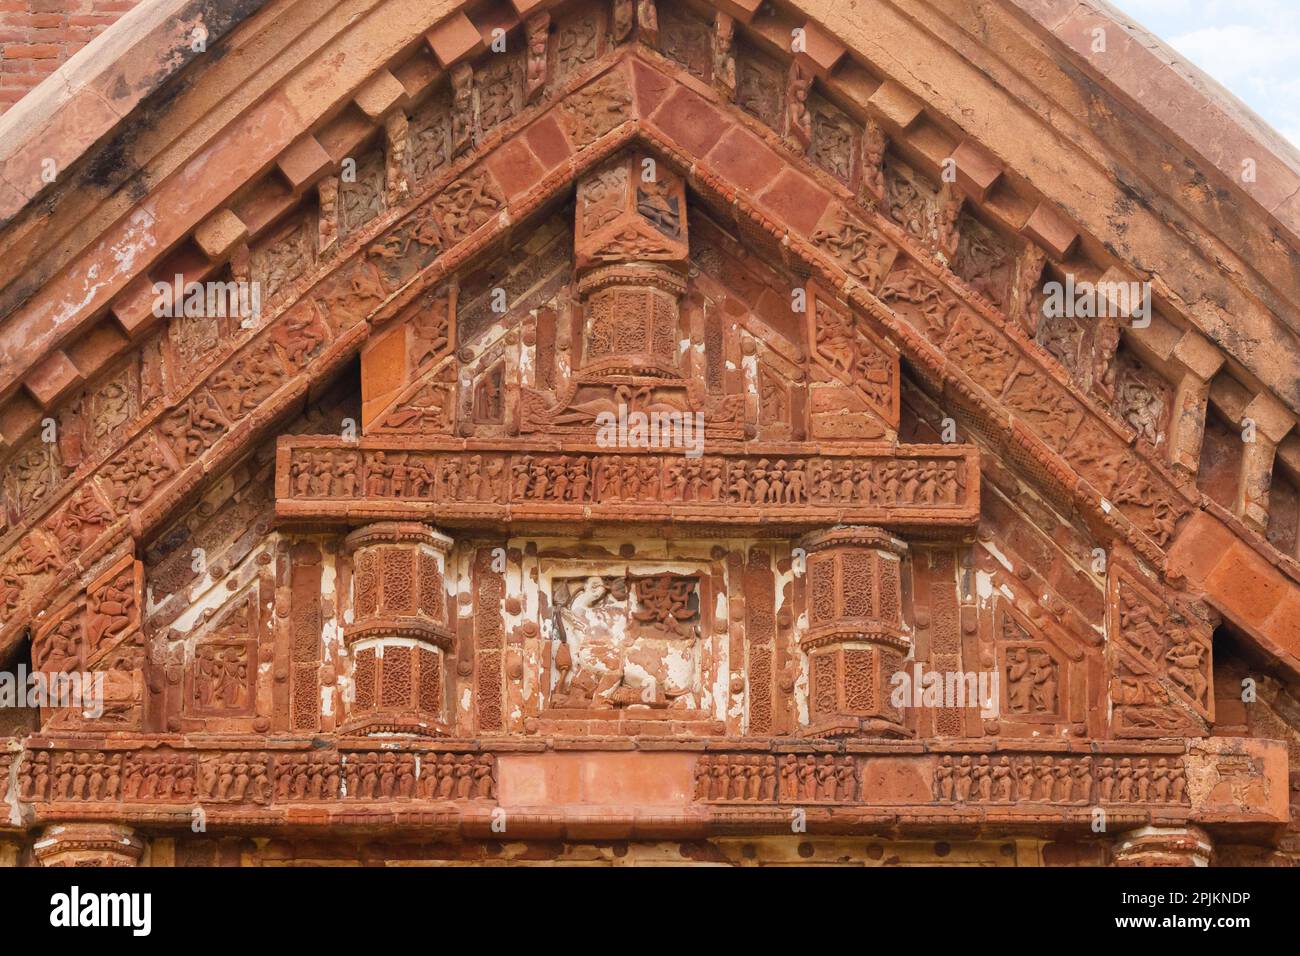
column 763, row 778
column 1062, row 780
column 252, row 777
column 930, row 481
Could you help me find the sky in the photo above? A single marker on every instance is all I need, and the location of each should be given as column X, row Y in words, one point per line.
column 1250, row 46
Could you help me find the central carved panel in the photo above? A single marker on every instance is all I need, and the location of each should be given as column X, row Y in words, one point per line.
column 627, row 641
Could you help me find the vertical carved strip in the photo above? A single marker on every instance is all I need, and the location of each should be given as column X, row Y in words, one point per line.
column 328, row 232
column 283, row 637
column 396, row 131
column 798, row 124
column 874, row 144
column 305, row 637
column 947, row 236
column 760, row 639
column 945, row 640
column 266, row 636
column 489, row 635
column 736, row 616
column 1029, row 276
column 793, row 678
column 462, row 108
column 715, row 356
column 544, row 362
column 724, row 54
column 538, row 28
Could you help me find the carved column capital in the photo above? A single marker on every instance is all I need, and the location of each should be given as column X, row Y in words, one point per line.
column 1163, row 846
column 859, row 536
column 88, row 844
column 397, row 532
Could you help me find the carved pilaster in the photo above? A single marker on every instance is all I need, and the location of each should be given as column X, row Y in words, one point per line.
column 328, row 208
column 855, row 638
column 1029, row 278
column 462, row 108
column 88, row 844
column 399, row 637
column 1163, row 846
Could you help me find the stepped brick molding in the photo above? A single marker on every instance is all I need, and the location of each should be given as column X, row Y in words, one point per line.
column 639, row 421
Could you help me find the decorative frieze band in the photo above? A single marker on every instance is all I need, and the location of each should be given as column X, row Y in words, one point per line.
column 904, row 487
column 1209, row 780
column 252, row 777
column 1218, row 783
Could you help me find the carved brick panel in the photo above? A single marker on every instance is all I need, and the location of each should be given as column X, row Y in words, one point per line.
column 1161, row 660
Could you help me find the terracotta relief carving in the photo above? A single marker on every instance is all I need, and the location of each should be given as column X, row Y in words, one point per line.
column 921, row 487
column 595, row 111
column 686, row 40
column 855, row 355
column 576, row 43
column 1161, row 662
column 723, row 42
column 629, row 641
column 622, row 17
column 1062, row 781
column 760, row 88
column 463, row 125
column 429, row 138
column 888, row 471
column 361, row 197
column 798, row 122
column 861, row 253
column 538, row 28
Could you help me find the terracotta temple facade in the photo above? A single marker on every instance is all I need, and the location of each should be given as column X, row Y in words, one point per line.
column 648, row 436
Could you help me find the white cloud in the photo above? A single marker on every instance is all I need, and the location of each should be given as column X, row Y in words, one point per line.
column 1240, row 53
column 1249, row 46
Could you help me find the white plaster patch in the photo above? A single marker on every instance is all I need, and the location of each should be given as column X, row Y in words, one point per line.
column 1001, row 558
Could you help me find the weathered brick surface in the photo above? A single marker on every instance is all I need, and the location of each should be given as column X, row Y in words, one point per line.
column 38, row 36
